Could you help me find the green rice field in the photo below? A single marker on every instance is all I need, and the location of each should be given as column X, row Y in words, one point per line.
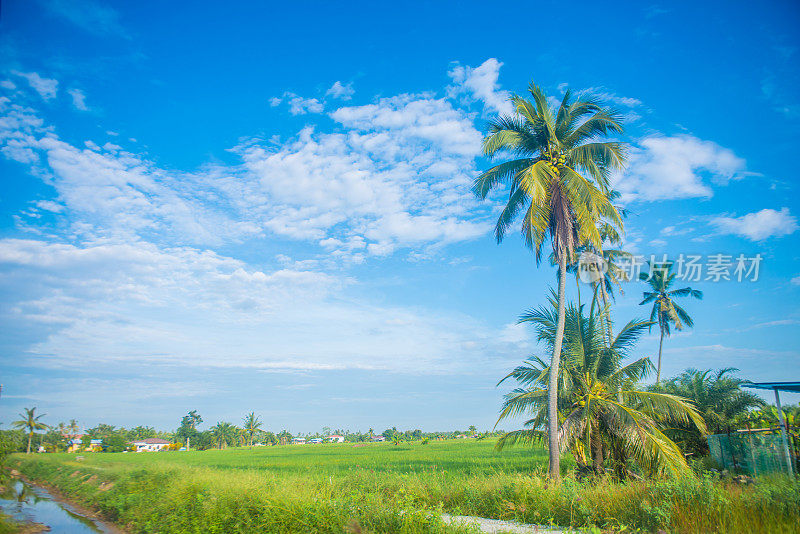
column 387, row 488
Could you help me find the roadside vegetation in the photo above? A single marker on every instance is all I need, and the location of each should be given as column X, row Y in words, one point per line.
column 384, row 488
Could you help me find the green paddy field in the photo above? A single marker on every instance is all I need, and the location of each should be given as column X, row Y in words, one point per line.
column 387, row 488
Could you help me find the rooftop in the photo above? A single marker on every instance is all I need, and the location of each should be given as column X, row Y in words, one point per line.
column 780, row 386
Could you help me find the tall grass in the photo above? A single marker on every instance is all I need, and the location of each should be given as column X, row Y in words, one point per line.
column 381, row 488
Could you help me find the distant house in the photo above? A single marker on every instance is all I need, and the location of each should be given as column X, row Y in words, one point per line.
column 75, row 444
column 378, row 438
column 335, row 439
column 315, row 440
column 150, row 444
column 95, row 444
column 298, row 441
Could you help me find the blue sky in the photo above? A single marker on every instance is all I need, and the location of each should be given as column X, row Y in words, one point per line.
column 267, row 208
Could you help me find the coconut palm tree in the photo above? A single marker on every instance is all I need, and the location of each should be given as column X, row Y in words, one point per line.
column 252, row 424
column 559, row 178
column 665, row 312
column 603, row 416
column 30, row 422
column 73, row 428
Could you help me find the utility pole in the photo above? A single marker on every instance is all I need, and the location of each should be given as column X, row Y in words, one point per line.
column 789, row 466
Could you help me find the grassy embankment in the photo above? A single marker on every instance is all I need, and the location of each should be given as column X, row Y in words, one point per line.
column 382, row 488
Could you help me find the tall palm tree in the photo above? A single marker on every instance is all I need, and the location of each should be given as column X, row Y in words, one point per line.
column 30, row 422
column 252, row 424
column 560, row 179
column 604, row 417
column 665, row 311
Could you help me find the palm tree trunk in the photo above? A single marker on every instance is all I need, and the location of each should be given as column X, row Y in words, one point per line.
column 608, row 317
column 598, row 457
column 552, row 382
column 30, row 437
column 608, row 328
column 660, row 344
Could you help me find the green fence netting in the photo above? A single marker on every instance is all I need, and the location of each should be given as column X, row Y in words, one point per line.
column 754, row 453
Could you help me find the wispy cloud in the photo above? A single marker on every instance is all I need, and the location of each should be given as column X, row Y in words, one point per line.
column 297, row 104
column 341, row 91
column 78, row 99
column 89, row 15
column 46, row 87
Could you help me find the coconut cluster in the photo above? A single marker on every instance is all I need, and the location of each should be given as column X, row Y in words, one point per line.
column 555, row 159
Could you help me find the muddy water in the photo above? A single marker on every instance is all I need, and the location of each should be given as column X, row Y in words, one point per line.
column 25, row 502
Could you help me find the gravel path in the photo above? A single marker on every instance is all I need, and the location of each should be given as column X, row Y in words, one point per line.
column 496, row 525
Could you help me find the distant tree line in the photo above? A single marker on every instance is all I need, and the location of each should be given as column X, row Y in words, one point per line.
column 31, row 435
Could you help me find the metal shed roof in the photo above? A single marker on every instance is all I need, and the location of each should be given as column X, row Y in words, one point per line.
column 780, row 386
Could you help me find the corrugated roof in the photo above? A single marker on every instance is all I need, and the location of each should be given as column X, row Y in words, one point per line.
column 780, row 386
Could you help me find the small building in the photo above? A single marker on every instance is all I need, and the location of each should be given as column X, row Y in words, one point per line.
column 151, row 445
column 298, row 441
column 377, row 438
column 75, row 444
column 335, row 438
column 315, row 440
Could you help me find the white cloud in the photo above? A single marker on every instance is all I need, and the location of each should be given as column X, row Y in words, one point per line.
column 342, row 91
column 299, row 105
column 662, row 168
column 481, row 83
column 796, row 280
column 46, row 87
column 372, row 186
column 759, row 225
column 8, row 84
column 416, row 116
column 78, row 99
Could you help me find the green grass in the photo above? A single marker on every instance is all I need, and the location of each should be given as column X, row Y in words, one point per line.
column 383, row 488
column 458, row 457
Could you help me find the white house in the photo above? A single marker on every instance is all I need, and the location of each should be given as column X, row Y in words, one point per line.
column 151, row 444
column 378, row 438
column 299, row 441
column 335, row 439
column 315, row 440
